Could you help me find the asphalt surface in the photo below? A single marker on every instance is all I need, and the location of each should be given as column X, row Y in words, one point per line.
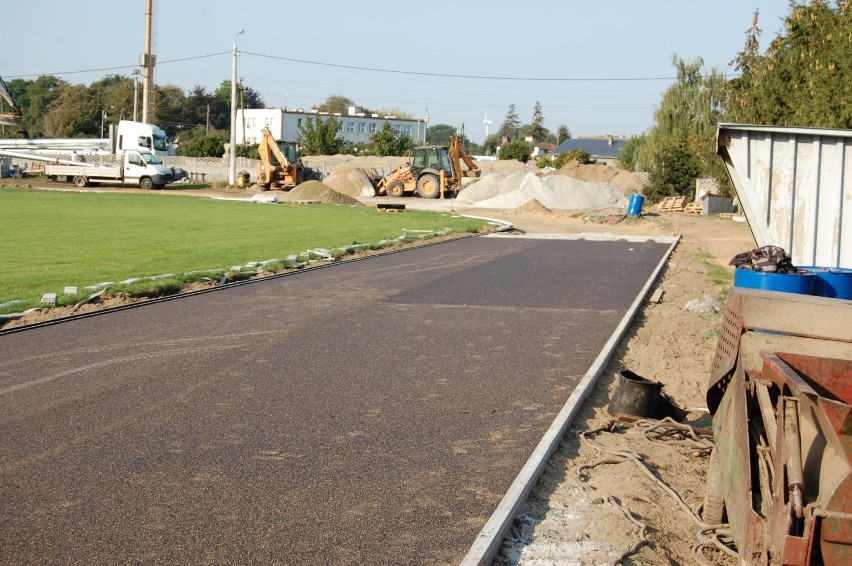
column 372, row 412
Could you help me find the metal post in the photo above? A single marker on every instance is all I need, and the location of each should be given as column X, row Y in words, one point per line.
column 232, row 152
column 135, row 95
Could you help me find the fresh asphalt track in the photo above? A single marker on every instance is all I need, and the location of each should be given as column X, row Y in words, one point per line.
column 370, row 412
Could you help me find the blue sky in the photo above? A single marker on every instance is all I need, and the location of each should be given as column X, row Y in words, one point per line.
column 608, row 50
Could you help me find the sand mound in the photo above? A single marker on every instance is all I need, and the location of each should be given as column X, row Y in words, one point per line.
column 314, row 191
column 599, row 173
column 350, row 180
column 558, row 192
column 531, row 207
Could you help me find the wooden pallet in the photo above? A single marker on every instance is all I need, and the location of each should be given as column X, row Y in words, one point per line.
column 671, row 204
column 693, row 208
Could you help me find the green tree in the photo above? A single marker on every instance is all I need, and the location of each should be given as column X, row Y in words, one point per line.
column 674, row 173
column 35, row 98
column 805, row 76
column 511, row 126
column 439, row 133
column 320, row 136
column 536, row 129
column 631, row 153
column 197, row 143
column 579, row 155
column 388, row 141
column 519, row 150
column 336, row 104
column 562, row 133
column 689, row 114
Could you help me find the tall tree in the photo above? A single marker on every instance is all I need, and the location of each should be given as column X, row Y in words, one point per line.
column 688, row 115
column 511, row 125
column 805, row 76
column 536, row 129
column 336, row 104
column 562, row 133
column 440, row 133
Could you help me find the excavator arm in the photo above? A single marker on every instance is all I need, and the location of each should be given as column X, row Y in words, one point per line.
column 13, row 117
column 269, row 148
column 457, row 153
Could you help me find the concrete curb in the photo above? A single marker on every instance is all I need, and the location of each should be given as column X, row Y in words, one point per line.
column 489, row 539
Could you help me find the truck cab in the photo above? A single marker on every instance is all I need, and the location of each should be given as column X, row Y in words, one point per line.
column 145, row 168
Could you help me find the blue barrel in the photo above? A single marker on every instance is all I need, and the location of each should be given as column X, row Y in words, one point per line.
column 801, row 283
column 833, row 282
column 634, row 207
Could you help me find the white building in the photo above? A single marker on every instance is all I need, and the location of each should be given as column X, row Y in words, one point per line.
column 355, row 126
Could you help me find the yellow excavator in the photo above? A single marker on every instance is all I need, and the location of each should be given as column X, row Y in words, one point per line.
column 434, row 171
column 277, row 170
column 14, row 114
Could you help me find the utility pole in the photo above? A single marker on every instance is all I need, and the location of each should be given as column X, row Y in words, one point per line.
column 232, row 152
column 147, row 62
column 136, row 73
column 208, row 119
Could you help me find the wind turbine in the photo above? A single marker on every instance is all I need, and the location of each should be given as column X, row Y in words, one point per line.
column 486, row 122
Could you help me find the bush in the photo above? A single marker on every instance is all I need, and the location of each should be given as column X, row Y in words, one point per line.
column 545, row 161
column 674, row 173
column 516, row 150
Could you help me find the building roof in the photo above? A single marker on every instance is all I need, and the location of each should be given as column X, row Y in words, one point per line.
column 595, row 147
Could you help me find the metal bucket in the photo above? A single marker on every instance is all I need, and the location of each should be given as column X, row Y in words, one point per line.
column 635, row 396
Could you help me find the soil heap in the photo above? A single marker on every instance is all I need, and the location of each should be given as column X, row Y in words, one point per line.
column 314, row 191
column 350, row 180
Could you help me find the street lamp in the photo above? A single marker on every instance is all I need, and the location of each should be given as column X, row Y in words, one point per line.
column 232, row 152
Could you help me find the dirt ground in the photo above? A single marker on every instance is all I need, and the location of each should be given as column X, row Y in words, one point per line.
column 572, row 521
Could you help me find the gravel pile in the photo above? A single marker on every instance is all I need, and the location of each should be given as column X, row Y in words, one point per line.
column 350, row 180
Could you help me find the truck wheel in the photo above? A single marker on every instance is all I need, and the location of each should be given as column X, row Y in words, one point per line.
column 395, row 189
column 146, row 183
column 429, row 186
column 81, row 181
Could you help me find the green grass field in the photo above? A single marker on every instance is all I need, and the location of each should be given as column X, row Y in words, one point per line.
column 53, row 239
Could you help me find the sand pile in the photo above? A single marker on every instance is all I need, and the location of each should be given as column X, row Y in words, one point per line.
column 314, row 191
column 531, row 207
column 556, row 192
column 599, row 173
column 350, row 180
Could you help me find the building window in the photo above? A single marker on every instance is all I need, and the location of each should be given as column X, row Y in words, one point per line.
column 373, row 128
column 362, row 127
column 299, row 122
column 407, row 130
column 350, row 127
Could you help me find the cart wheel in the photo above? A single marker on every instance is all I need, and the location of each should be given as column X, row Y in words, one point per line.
column 81, row 181
column 713, row 511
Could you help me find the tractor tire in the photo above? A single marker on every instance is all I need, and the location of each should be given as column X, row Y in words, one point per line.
column 146, row 183
column 429, row 186
column 81, row 181
column 395, row 189
column 713, row 510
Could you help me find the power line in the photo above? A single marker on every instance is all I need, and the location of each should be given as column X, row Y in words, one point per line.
column 122, row 66
column 451, row 76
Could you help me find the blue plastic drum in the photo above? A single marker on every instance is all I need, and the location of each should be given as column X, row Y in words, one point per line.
column 801, row 283
column 634, row 206
column 833, row 282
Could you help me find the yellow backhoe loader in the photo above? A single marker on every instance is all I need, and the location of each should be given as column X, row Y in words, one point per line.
column 277, row 170
column 434, row 171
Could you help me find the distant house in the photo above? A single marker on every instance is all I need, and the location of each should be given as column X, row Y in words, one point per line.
column 603, row 149
column 542, row 149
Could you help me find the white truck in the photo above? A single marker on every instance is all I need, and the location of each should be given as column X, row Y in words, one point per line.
column 126, row 136
column 138, row 168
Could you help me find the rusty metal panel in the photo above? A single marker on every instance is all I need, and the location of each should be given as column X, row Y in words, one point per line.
column 795, row 188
